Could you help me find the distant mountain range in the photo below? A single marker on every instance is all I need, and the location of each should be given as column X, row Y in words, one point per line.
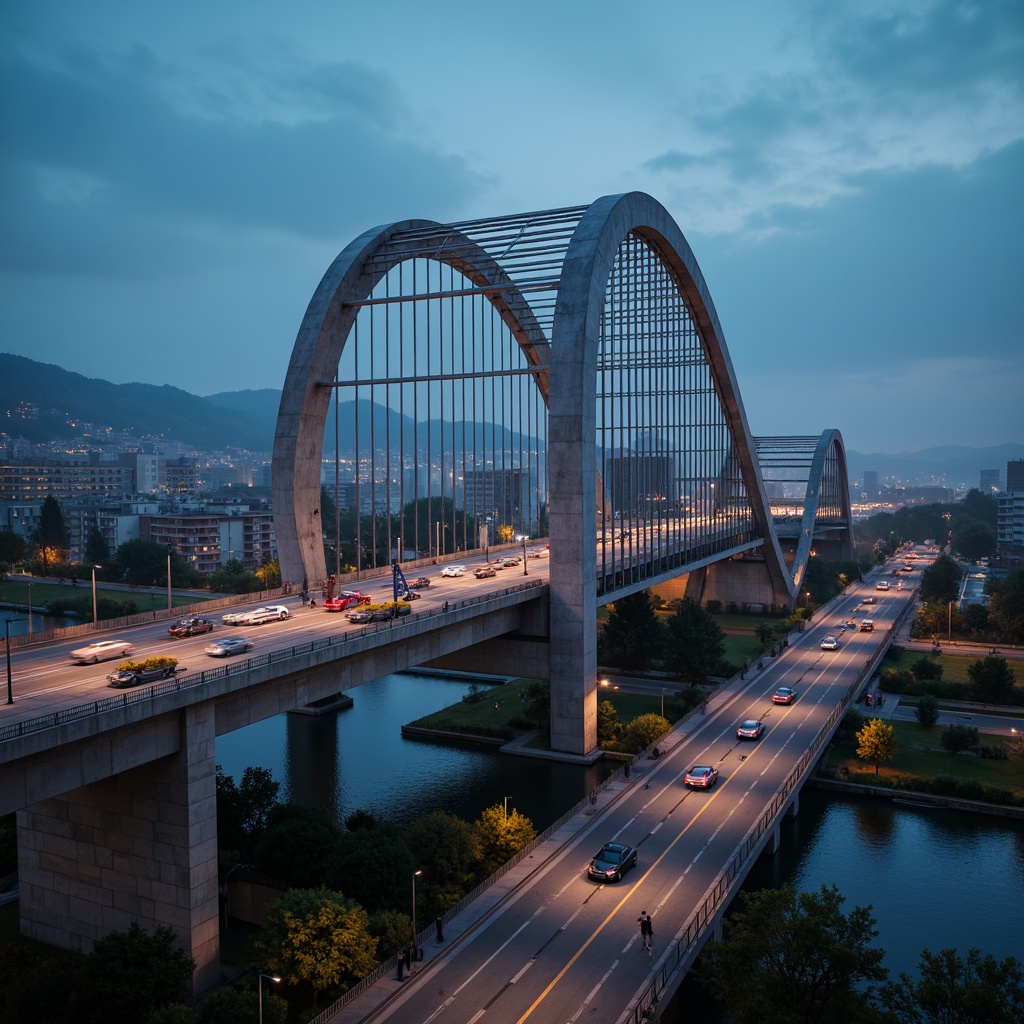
column 42, row 402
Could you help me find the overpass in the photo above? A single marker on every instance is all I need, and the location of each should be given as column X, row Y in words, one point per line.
column 560, row 374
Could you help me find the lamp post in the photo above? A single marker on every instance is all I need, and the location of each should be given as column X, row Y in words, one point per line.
column 663, row 702
column 169, row 604
column 7, row 645
column 437, row 539
column 525, row 573
column 949, row 623
column 29, row 609
column 259, row 986
column 506, row 808
column 94, row 568
column 415, row 874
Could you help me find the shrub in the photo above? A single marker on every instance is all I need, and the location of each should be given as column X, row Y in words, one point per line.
column 927, row 710
column 994, row 752
column 959, row 737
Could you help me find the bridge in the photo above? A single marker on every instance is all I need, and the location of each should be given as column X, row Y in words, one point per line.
column 559, row 374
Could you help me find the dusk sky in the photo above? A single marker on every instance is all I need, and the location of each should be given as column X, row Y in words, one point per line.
column 175, row 178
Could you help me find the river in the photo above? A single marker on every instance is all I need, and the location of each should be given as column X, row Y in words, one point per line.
column 934, row 878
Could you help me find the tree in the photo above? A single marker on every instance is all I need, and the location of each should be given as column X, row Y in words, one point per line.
column 51, row 541
column 926, row 668
column 953, row 990
column 959, row 737
column 130, row 974
column 297, row 845
column 501, row 836
column 940, row 581
column 373, row 864
column 235, row 1006
column 609, row 728
column 448, row 851
column 244, row 810
column 791, row 958
column 1006, row 605
column 179, row 1013
column 12, row 548
column 974, row 539
column 927, row 710
column 318, row 937
column 992, row 680
column 644, row 730
column 97, row 550
column 269, row 574
column 144, row 563
column 695, row 643
column 765, row 633
column 876, row 742
column 631, row 634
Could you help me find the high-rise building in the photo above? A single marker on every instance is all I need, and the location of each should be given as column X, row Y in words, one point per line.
column 1015, row 477
column 870, row 484
column 990, row 481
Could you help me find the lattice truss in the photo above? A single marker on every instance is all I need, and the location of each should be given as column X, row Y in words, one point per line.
column 442, row 391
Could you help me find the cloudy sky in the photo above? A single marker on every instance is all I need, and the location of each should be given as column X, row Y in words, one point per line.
column 176, row 176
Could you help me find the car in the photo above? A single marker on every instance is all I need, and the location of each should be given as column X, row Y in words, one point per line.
column 850, row 624
column 346, row 599
column 612, row 861
column 453, row 570
column 783, row 695
column 701, row 776
column 420, row 582
column 228, row 645
column 882, row 585
column 142, row 672
column 830, row 644
column 867, row 625
column 256, row 616
column 380, row 615
column 750, row 729
column 410, row 595
column 484, row 572
column 101, row 650
column 190, row 627
column 908, row 568
column 537, row 552
column 511, row 560
column 358, row 615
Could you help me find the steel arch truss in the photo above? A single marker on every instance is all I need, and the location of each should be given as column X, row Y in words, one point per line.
column 809, row 490
column 649, row 469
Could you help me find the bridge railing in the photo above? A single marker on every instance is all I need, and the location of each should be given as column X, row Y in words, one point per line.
column 691, row 939
column 142, row 694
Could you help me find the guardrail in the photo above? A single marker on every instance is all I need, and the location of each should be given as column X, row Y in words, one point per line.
column 145, row 693
column 720, row 891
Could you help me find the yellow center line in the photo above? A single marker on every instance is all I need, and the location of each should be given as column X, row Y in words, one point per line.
column 600, row 928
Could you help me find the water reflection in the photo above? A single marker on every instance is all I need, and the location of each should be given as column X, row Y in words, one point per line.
column 875, row 824
column 358, row 760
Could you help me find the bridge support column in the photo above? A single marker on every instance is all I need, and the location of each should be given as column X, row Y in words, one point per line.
column 140, row 846
column 772, row 846
column 794, row 808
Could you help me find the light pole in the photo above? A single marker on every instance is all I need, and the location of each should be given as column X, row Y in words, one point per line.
column 412, row 956
column 259, row 986
column 169, row 604
column 949, row 623
column 437, row 539
column 29, row 609
column 7, row 645
column 525, row 573
column 663, row 702
column 94, row 568
column 506, row 808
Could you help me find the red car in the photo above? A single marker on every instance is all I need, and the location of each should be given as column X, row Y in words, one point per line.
column 345, row 600
column 701, row 776
column 783, row 695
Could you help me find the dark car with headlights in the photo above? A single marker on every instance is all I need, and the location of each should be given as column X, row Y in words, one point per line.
column 750, row 729
column 612, row 861
column 190, row 627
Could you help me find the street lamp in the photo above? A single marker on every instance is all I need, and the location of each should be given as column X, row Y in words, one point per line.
column 94, row 568
column 663, row 702
column 259, row 986
column 169, row 604
column 949, row 623
column 29, row 609
column 7, row 645
column 525, row 573
column 506, row 808
column 415, row 874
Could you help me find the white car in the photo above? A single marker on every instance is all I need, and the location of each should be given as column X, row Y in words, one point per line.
column 829, row 644
column 255, row 616
column 453, row 570
column 101, row 651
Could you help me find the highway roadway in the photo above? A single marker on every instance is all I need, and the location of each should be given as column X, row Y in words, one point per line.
column 564, row 948
column 45, row 679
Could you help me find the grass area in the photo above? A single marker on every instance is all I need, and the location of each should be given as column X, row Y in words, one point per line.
column 920, row 753
column 481, row 718
column 44, row 591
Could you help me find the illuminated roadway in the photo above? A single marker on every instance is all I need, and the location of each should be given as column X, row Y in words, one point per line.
column 563, row 948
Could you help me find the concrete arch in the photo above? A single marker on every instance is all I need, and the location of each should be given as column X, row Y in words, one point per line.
column 579, row 309
column 325, row 328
